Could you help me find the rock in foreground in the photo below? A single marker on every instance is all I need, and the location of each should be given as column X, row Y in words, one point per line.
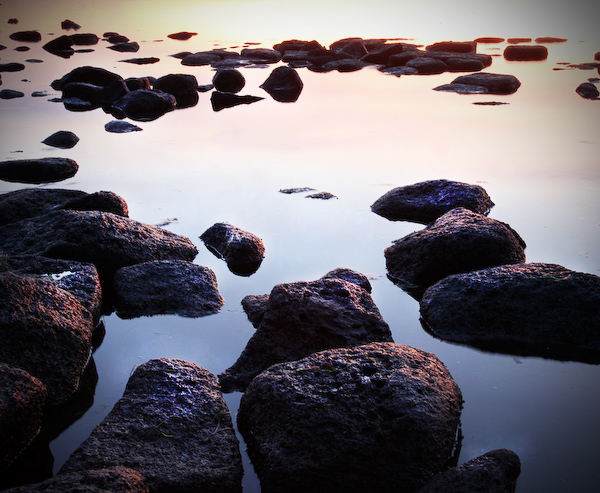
column 379, row 417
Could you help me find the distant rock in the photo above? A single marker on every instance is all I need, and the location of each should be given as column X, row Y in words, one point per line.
column 11, row 67
column 63, row 139
column 489, row 40
column 525, row 53
column 221, row 100
column 426, row 65
column 183, row 86
column 380, row 54
column 69, row 25
column 182, row 36
column 26, row 36
column 321, row 196
column 142, row 61
column 587, row 90
column 518, row 40
column 495, row 83
column 289, row 191
column 145, row 104
column 200, row 59
column 283, row 85
column 453, row 46
column 121, row 127
column 42, row 170
column 10, row 94
column 261, row 55
column 462, row 88
column 130, row 47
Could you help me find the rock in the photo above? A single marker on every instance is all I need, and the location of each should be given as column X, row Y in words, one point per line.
column 26, row 36
column 550, row 39
column 61, row 46
column 167, row 286
column 183, row 86
column 304, row 317
column 222, row 100
column 464, row 64
column 297, row 45
column 351, row 276
column 494, row 472
column 84, row 39
column 13, row 20
column 46, row 332
column 142, row 61
column 82, row 91
column 399, row 71
column 242, row 251
column 22, row 400
column 345, row 65
column 597, row 55
column 134, row 83
column 172, row 425
column 527, row 309
column 426, row 201
column 132, row 47
column 116, row 38
column 459, row 241
column 42, row 170
column 22, row 48
column 587, row 90
column 104, row 239
column 116, row 479
column 145, row 104
column 525, row 53
column 379, row 417
column 121, row 127
column 91, row 75
column 10, row 94
column 63, row 139
column 495, row 83
column 351, row 47
column 69, row 25
column 453, row 46
column 518, row 40
column 99, row 201
column 261, row 55
column 321, row 195
column 462, row 88
column 426, row 65
column 199, row 59
column 182, row 36
column 11, row 67
column 283, row 85
column 489, row 39
column 228, row 80
column 289, row 191
column 382, row 53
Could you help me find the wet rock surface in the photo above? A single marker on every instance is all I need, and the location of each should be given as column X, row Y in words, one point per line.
column 36, row 171
column 527, row 309
column 377, row 417
column 63, row 139
column 172, row 426
column 228, row 80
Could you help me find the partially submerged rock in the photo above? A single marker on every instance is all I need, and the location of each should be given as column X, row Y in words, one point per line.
column 11, row 94
column 221, row 100
column 91, row 75
column 127, row 47
column 587, row 90
column 377, row 417
column 283, row 85
column 172, row 425
column 528, row 309
column 182, row 35
column 183, row 86
column 424, row 202
column 145, row 104
column 121, row 127
column 26, row 36
column 495, row 83
column 63, row 139
column 525, row 53
column 36, row 171
column 228, row 80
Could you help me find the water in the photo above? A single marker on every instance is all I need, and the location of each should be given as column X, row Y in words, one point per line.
column 356, row 135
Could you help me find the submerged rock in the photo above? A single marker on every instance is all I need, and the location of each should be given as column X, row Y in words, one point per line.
column 63, row 139
column 283, row 85
column 172, row 425
column 42, row 170
column 379, row 417
column 527, row 309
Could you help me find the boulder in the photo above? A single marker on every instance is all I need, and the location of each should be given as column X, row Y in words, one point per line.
column 221, row 100
column 381, row 53
column 587, row 90
column 495, row 83
column 453, row 46
column 426, row 65
column 183, row 86
column 228, row 80
column 63, row 139
column 42, row 170
column 241, row 250
column 350, row 47
column 172, row 425
column 527, row 309
column 99, row 201
column 378, row 417
column 166, row 286
column 301, row 318
column 104, row 239
column 45, row 331
column 525, row 53
column 26, row 36
column 424, row 202
column 92, row 75
column 459, row 241
column 345, row 65
column 22, row 400
column 283, row 85
column 121, row 127
column 145, row 104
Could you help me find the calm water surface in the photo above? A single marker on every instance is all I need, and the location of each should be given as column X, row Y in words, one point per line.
column 356, row 135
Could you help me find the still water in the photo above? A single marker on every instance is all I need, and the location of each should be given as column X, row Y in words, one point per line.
column 356, row 135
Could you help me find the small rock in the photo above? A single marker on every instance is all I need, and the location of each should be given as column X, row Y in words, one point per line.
column 98, row 201
column 453, row 46
column 462, row 88
column 550, row 39
column 321, row 195
column 43, row 170
column 63, row 139
column 121, row 127
column 495, row 83
column 84, row 39
column 142, row 61
column 181, row 36
column 200, row 59
column 427, row 66
column 69, row 25
column 489, row 40
column 60, row 46
column 183, row 86
column 587, row 90
column 131, row 47
column 11, row 67
column 26, row 36
column 518, row 40
column 222, row 100
column 525, row 53
column 262, row 55
column 145, row 104
column 289, row 191
column 10, row 94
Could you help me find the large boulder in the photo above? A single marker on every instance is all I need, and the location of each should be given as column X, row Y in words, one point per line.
column 283, row 85
column 378, row 417
column 459, row 241
column 426, row 201
column 183, row 86
column 301, row 318
column 529, row 309
column 36, row 171
column 172, row 425
column 144, row 104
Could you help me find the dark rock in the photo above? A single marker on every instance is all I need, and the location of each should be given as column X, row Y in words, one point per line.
column 242, row 251
column 381, row 54
column 398, row 71
column 400, row 59
column 426, row 65
column 85, row 39
column 167, row 286
column 489, row 103
column 222, row 100
column 181, row 36
column 30, row 202
column 69, row 25
column 494, row 472
column 351, row 47
column 550, row 39
column 60, row 46
column 63, row 139
column 518, row 40
column 453, row 46
column 321, row 195
column 183, row 86
column 426, row 201
column 104, row 239
column 459, row 241
column 200, row 59
column 464, row 58
column 134, row 83
column 131, row 47
column 116, row 38
column 142, row 61
column 13, row 20
column 464, row 64
column 10, row 94
column 121, row 127
column 297, row 45
column 526, row 309
column 91, row 75
column 228, row 80
column 379, row 417
column 82, row 91
column 115, row 479
column 597, row 55
column 525, row 53
column 113, row 92
column 45, row 331
column 289, row 191
column 462, row 88
column 283, row 85
column 22, row 400
column 181, row 55
column 351, row 276
column 261, row 55
column 304, row 317
column 11, row 67
column 35, row 60
column 489, row 39
column 43, row 170
column 345, row 65
column 495, row 83
column 98, row 201
column 317, row 58
column 22, row 48
column 587, row 90
column 172, row 425
column 26, row 36
column 254, row 306
column 145, row 104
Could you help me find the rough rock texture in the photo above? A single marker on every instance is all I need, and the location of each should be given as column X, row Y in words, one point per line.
column 242, row 251
column 378, row 417
column 283, row 85
column 114, row 480
column 495, row 83
column 102, row 201
column 171, row 425
column 63, row 139
column 183, row 86
column 145, row 104
column 104, row 239
column 494, row 472
column 46, row 332
column 167, row 286
column 228, row 80
column 22, row 400
column 426, row 201
column 304, row 317
column 525, row 53
column 459, row 241
column 529, row 309
column 42, row 170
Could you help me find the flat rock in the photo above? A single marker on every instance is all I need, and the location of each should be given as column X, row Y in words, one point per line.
column 63, row 139
column 11, row 67
column 68, row 24
column 462, row 88
column 130, row 47
column 459, row 241
column 453, row 46
column 142, row 61
column 182, row 36
column 36, row 171
column 424, row 202
column 378, row 417
column 221, row 100
column 495, row 83
column 172, row 425
column 27, row 36
column 527, row 309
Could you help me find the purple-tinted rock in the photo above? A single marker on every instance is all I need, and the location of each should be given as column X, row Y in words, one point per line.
column 183, row 86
